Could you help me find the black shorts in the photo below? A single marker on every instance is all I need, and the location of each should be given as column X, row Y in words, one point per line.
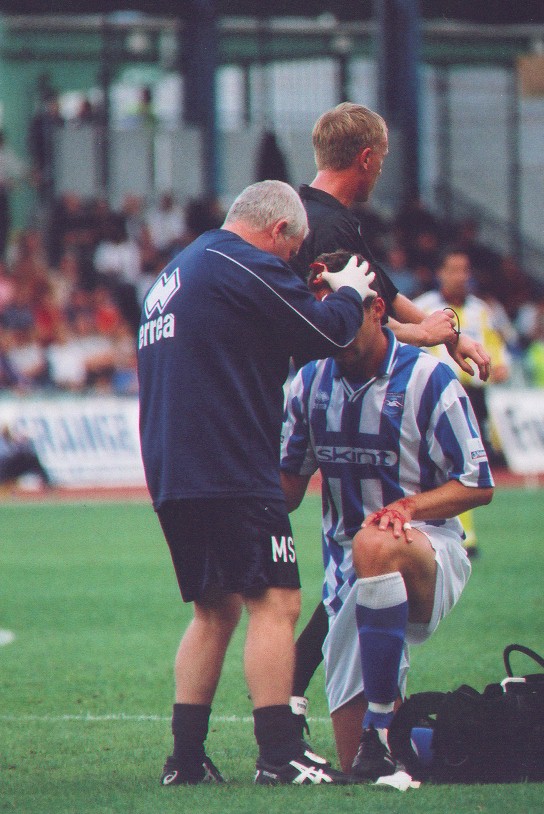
column 229, row 545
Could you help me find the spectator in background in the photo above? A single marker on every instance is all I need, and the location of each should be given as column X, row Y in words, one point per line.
column 96, row 350
column 87, row 113
column 10, row 379
column 124, row 381
column 534, row 354
column 18, row 458
column 28, row 258
column 117, row 263
column 414, row 219
column 65, row 278
column 133, row 211
column 18, row 313
column 107, row 315
column 47, row 314
column 484, row 262
column 41, row 134
column 12, row 171
column 27, row 356
column 166, row 223
column 374, row 227
column 71, row 228
column 399, row 272
column 201, row 215
column 7, row 287
column 515, row 288
column 80, row 358
column 67, row 370
column 144, row 111
column 271, row 161
column 421, row 234
column 453, row 291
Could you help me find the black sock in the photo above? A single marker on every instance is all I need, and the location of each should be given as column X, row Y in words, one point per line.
column 190, row 729
column 277, row 734
column 309, row 654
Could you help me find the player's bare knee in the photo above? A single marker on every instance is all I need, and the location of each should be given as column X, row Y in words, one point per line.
column 375, row 552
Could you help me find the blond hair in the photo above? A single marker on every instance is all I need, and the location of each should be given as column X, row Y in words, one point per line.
column 341, row 133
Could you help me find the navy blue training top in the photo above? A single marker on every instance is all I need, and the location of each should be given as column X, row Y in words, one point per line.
column 218, row 328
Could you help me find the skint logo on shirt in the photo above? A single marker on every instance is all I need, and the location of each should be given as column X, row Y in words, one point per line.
column 355, row 455
column 161, row 292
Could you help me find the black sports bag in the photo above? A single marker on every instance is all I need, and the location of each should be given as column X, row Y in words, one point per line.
column 464, row 736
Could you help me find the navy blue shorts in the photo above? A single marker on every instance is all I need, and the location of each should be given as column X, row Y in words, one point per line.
column 229, row 545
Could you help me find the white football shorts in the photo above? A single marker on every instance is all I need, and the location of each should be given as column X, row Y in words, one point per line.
column 343, row 675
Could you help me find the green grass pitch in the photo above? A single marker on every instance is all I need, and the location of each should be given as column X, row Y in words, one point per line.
column 86, row 686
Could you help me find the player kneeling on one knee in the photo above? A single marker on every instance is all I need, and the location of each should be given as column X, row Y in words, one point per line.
column 398, row 447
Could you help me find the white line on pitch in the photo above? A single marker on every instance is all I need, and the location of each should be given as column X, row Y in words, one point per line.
column 121, row 716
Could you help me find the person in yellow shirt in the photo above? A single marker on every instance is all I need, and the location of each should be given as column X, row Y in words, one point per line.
column 534, row 355
column 453, row 291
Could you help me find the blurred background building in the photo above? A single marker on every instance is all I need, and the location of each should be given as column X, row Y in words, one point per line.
column 121, row 103
column 127, row 128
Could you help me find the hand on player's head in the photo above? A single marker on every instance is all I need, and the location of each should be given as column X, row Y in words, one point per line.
column 355, row 274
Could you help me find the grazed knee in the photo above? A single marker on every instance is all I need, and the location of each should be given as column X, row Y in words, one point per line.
column 376, row 552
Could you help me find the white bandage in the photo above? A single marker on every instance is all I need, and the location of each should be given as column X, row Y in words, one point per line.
column 406, row 526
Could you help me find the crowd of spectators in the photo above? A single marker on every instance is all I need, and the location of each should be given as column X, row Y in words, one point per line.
column 410, row 246
column 71, row 291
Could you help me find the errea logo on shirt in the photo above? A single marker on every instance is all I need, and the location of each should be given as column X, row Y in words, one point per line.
column 156, row 329
column 158, row 297
column 161, row 292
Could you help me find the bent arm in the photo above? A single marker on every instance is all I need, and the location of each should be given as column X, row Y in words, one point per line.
column 416, row 328
column 294, row 488
column 448, row 500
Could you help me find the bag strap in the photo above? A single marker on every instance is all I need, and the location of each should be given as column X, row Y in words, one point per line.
column 520, row 648
column 417, row 710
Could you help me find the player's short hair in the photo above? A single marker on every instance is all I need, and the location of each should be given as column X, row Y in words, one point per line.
column 265, row 203
column 341, row 133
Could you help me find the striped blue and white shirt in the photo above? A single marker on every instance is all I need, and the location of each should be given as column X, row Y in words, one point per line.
column 409, row 429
